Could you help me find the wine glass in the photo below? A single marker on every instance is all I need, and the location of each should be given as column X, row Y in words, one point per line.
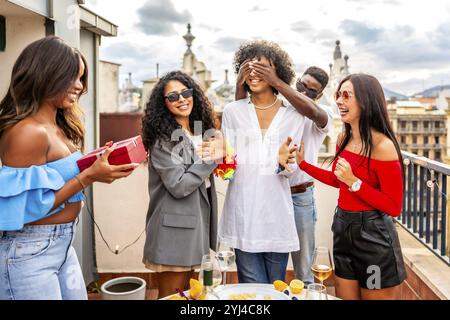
column 210, row 274
column 322, row 267
column 226, row 257
column 316, row 291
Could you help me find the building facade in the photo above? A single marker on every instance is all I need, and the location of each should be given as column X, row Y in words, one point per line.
column 419, row 130
column 129, row 96
column 225, row 92
column 109, row 86
column 339, row 69
column 28, row 20
column 194, row 67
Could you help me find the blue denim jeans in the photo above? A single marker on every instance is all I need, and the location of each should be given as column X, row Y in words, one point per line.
column 261, row 267
column 305, row 220
column 39, row 263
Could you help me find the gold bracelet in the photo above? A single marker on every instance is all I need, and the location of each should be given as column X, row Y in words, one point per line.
column 79, row 180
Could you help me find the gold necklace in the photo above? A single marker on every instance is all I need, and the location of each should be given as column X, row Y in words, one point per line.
column 268, row 107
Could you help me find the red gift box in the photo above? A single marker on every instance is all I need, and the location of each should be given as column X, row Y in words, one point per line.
column 125, row 151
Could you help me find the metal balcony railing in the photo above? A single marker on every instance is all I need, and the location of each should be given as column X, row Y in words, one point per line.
column 425, row 211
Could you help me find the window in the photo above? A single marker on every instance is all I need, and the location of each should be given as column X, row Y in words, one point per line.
column 437, row 156
column 426, row 153
column 436, row 139
column 425, row 140
column 425, row 124
column 402, row 139
column 414, row 139
column 437, row 124
column 403, row 124
column 414, row 124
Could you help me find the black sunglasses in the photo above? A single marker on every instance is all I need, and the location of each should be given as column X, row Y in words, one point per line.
column 310, row 93
column 175, row 96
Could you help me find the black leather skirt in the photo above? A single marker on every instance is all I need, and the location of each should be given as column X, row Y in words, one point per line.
column 366, row 248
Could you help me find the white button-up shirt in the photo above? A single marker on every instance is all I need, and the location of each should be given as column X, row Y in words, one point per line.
column 313, row 137
column 258, row 214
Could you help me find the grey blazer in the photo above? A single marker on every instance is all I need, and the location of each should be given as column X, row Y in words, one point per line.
column 181, row 224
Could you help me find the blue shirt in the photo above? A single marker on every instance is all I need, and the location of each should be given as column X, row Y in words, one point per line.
column 28, row 194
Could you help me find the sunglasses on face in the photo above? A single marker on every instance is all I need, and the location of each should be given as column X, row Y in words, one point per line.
column 175, row 96
column 345, row 94
column 310, row 93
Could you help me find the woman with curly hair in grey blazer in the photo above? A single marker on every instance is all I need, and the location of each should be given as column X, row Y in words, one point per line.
column 182, row 214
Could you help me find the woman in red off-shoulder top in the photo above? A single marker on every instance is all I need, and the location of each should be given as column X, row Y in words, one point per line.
column 382, row 188
column 367, row 169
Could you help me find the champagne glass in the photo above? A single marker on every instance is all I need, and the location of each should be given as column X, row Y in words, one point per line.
column 322, row 267
column 226, row 257
column 210, row 271
column 316, row 291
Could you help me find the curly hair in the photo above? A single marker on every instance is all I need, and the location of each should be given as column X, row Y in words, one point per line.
column 159, row 123
column 319, row 74
column 270, row 50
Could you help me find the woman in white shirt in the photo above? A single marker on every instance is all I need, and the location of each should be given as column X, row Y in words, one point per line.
column 258, row 216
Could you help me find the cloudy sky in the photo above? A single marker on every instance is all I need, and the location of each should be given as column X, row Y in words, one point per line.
column 405, row 43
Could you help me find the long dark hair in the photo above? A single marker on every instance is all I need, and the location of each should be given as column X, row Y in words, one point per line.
column 159, row 123
column 374, row 115
column 45, row 71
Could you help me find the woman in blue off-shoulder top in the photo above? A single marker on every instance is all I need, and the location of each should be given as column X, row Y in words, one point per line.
column 41, row 138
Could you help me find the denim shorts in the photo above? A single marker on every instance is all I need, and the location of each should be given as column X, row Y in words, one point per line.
column 38, row 262
column 366, row 248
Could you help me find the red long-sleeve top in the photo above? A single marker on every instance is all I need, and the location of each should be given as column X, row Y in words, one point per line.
column 382, row 187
